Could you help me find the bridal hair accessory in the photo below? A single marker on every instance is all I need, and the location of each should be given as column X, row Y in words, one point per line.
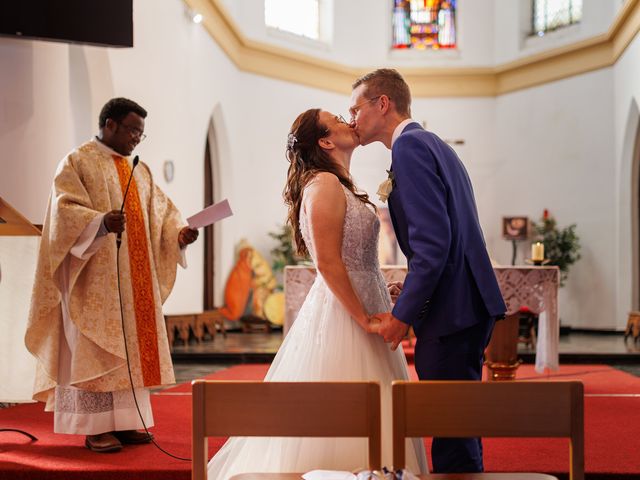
column 291, row 141
column 385, row 188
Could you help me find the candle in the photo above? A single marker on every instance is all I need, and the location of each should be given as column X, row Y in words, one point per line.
column 537, row 252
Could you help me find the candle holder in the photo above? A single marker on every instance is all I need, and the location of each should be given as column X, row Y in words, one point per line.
column 537, row 263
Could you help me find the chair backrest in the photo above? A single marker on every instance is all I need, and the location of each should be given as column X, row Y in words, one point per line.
column 489, row 409
column 284, row 409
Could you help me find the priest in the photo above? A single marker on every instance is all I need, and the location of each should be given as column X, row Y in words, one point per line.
column 97, row 330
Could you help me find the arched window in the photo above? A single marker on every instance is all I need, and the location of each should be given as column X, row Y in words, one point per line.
column 300, row 17
column 550, row 15
column 424, row 24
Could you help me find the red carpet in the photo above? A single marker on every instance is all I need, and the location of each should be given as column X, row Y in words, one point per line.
column 612, row 421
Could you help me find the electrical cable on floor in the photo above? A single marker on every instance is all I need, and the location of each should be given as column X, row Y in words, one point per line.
column 126, row 350
column 27, row 434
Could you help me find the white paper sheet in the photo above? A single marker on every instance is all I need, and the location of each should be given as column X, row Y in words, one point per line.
column 211, row 214
column 328, row 475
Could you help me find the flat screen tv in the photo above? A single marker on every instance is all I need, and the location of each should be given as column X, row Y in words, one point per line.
column 94, row 22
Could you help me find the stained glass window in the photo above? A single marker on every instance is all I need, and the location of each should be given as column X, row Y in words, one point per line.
column 552, row 14
column 301, row 17
column 424, row 24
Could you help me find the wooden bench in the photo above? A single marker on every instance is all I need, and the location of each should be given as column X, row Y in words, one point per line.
column 209, row 321
column 196, row 323
column 182, row 324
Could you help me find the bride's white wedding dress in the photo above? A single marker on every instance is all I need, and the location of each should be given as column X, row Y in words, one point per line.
column 326, row 344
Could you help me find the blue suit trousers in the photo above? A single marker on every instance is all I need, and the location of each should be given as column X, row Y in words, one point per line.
column 458, row 356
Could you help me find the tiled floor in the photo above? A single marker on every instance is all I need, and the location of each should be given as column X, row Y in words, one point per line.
column 197, row 360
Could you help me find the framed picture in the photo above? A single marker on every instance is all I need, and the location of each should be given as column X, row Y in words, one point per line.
column 515, row 228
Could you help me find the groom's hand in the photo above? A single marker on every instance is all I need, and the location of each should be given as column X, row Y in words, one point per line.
column 395, row 288
column 392, row 329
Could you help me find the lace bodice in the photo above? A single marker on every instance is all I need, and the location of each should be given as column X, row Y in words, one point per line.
column 359, row 235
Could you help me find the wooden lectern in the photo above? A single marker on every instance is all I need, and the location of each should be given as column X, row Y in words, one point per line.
column 12, row 223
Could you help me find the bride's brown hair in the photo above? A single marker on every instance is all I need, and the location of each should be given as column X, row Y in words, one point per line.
column 307, row 159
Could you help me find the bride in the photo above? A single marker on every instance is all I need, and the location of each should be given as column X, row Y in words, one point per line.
column 333, row 338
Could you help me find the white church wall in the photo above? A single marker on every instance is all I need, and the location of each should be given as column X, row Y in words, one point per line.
column 626, row 120
column 35, row 130
column 555, row 151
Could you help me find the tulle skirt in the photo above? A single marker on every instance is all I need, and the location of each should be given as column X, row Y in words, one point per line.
column 326, row 344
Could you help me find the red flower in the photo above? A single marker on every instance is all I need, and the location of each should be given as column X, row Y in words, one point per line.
column 545, row 214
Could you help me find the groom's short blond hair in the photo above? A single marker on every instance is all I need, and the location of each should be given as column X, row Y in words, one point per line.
column 387, row 81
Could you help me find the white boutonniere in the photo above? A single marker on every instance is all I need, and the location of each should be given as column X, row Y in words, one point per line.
column 385, row 188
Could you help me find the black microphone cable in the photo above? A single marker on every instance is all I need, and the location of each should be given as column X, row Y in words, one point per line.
column 124, row 335
column 136, row 159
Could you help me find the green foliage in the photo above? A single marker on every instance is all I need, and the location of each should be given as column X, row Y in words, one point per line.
column 283, row 253
column 561, row 246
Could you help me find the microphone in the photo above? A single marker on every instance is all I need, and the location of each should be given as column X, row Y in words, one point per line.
column 136, row 159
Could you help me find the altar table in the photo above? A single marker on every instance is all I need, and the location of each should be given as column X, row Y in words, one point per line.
column 531, row 286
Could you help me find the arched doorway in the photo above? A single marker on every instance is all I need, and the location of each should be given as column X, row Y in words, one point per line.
column 627, row 282
column 211, row 180
column 635, row 221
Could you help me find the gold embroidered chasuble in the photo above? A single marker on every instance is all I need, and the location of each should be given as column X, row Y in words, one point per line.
column 89, row 182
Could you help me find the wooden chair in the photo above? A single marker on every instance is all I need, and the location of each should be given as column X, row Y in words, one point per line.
column 284, row 409
column 490, row 409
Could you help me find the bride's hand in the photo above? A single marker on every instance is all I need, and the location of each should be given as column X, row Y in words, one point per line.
column 373, row 324
column 395, row 288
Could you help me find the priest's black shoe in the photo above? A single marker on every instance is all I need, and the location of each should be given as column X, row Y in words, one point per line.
column 103, row 443
column 133, row 437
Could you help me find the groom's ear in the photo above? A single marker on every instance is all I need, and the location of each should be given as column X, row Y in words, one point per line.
column 326, row 143
column 385, row 103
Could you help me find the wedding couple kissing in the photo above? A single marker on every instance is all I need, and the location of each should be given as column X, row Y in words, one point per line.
column 348, row 329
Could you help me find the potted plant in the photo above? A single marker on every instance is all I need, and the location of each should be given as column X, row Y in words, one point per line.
column 561, row 246
column 283, row 253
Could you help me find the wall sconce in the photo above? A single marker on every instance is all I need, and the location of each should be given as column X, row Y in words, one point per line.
column 168, row 170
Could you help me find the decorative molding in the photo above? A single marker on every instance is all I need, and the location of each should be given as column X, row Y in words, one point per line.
column 595, row 53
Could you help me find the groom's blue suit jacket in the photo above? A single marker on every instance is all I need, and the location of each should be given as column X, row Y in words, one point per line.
column 450, row 284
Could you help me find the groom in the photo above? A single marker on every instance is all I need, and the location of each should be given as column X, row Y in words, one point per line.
column 450, row 295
